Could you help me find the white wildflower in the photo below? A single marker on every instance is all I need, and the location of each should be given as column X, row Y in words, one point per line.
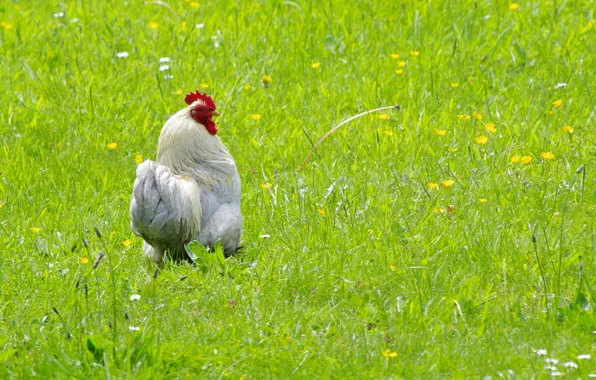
column 134, row 328
column 135, row 297
column 59, row 14
column 168, row 77
column 551, row 361
column 584, row 356
column 164, row 59
column 560, row 85
column 164, row 67
column 540, row 351
column 556, row 374
column 266, row 236
column 570, row 365
column 122, row 54
column 550, row 367
column 592, row 375
column 74, row 20
column 200, row 26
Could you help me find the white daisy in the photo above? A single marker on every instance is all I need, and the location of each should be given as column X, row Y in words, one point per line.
column 164, row 67
column 134, row 328
column 135, row 297
column 164, row 59
column 122, row 54
column 584, row 356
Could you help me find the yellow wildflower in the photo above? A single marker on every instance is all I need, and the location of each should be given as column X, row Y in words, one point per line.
column 414, row 53
column 440, row 210
column 204, row 86
column 247, row 87
column 513, row 6
column 388, row 132
column 454, row 84
column 568, row 129
column 5, row 25
column 179, row 91
column 194, row 4
column 462, row 116
column 265, row 186
column 481, row 139
column 322, row 211
column 482, row 200
column 389, row 354
column 84, row 260
column 452, row 150
column 153, row 25
column 447, row 183
column 394, row 55
column 432, row 185
column 35, row 229
column 126, row 243
column 547, row 156
column 558, row 103
column 112, row 145
column 399, row 72
column 267, row 79
column 383, row 116
column 490, row 127
column 255, row 117
column 526, row 160
column 477, row 115
column 440, row 132
column 401, row 63
column 139, row 158
column 515, row 159
column 315, row 65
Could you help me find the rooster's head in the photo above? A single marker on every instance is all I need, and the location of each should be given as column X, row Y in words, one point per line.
column 202, row 110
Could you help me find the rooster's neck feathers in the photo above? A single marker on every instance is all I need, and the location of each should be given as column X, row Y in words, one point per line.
column 188, row 149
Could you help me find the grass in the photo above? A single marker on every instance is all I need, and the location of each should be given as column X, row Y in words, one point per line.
column 369, row 271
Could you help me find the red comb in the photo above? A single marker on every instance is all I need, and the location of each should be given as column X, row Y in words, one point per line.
column 194, row 96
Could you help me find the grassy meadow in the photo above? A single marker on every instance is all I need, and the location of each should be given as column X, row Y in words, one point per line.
column 454, row 238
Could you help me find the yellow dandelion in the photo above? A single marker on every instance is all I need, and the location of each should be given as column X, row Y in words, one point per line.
column 454, row 84
column 399, row 72
column 84, row 260
column 126, row 243
column 526, row 160
column 153, row 25
column 389, row 354
column 204, row 86
column 568, row 129
column 414, row 53
column 322, row 211
column 388, row 132
column 447, row 183
column 558, row 103
column 383, row 116
column 267, row 79
column 452, row 150
column 139, row 158
column 255, row 117
column 35, row 229
column 490, row 127
column 112, row 145
column 440, row 132
column 477, row 116
column 315, row 65
column 401, row 63
column 247, row 87
column 432, row 185
column 179, row 91
column 481, row 140
column 547, row 156
column 265, row 186
column 515, row 159
column 194, row 4
column 463, row 116
column 513, row 6
column 394, row 55
column 483, row 200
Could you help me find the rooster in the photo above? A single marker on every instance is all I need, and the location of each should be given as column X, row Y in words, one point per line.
column 192, row 192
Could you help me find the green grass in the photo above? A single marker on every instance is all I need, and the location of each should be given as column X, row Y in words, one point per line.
column 364, row 259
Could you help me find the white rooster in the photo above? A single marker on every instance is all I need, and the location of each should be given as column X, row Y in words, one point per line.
column 192, row 192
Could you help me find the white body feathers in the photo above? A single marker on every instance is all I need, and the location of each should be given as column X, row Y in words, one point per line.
column 191, row 193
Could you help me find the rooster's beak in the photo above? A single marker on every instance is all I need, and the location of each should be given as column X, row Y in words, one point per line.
column 215, row 113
